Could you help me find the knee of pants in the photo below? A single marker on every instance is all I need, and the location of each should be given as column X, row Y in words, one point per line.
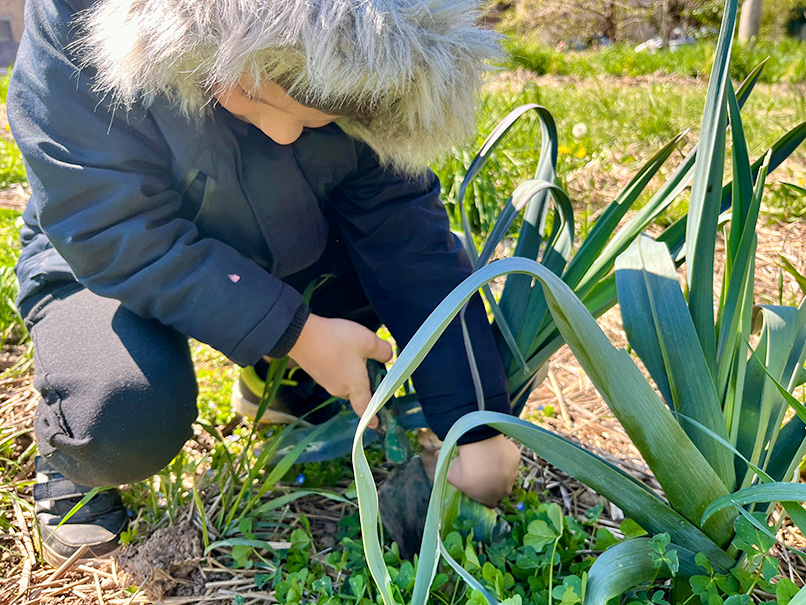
column 115, row 430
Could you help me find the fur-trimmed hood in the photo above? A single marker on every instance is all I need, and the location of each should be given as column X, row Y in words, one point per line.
column 413, row 67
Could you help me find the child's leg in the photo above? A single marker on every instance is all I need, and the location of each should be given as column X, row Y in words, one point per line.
column 118, row 391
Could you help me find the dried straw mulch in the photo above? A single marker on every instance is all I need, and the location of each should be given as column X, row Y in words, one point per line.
column 580, row 415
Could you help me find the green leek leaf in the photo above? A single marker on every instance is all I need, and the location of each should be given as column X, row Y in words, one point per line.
column 659, row 328
column 629, row 564
column 706, row 193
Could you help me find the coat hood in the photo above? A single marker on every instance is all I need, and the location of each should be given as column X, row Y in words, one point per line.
column 408, row 70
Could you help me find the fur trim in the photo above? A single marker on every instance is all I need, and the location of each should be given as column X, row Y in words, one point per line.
column 414, row 67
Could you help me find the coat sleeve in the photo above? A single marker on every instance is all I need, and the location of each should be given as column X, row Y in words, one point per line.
column 103, row 194
column 398, row 235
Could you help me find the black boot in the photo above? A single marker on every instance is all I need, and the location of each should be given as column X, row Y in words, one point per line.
column 98, row 524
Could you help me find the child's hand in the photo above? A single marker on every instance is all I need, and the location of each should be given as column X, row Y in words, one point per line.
column 486, row 470
column 334, row 352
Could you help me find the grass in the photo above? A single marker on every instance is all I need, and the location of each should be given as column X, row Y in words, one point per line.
column 9, row 236
column 11, row 328
column 786, row 60
column 12, row 170
column 607, row 130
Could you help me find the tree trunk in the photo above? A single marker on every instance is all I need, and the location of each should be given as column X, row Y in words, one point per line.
column 610, row 20
column 750, row 20
column 662, row 7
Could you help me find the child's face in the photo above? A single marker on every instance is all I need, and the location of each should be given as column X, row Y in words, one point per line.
column 280, row 117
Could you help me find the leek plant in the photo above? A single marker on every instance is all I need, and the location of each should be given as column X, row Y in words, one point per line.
column 526, row 333
column 715, row 437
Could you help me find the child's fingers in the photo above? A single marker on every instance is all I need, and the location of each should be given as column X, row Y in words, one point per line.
column 381, row 350
column 360, row 400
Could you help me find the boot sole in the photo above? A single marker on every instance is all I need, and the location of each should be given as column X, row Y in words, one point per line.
column 56, row 560
column 249, row 409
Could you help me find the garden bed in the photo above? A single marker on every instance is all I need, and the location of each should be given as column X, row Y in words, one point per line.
column 565, row 402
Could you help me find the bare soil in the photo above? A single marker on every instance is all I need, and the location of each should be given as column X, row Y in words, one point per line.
column 165, row 563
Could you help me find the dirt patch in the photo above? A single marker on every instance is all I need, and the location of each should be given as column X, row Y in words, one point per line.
column 166, row 563
column 15, row 197
column 11, row 355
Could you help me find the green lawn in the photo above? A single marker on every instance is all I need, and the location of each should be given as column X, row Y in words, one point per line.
column 625, row 121
column 786, row 61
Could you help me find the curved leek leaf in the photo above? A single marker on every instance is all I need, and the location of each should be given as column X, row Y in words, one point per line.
column 637, row 501
column 545, row 166
column 685, row 475
column 629, row 564
column 659, row 328
column 470, row 580
column 545, row 172
column 764, row 492
column 514, row 298
column 523, row 195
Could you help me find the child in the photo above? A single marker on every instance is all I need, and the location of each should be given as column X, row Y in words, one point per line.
column 194, row 165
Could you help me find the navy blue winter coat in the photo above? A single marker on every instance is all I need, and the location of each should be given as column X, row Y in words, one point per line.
column 158, row 212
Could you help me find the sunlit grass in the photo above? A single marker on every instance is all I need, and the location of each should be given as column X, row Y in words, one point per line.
column 786, row 60
column 606, row 131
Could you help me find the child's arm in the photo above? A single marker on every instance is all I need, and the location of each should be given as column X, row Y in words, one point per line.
column 399, row 239
column 334, row 353
column 104, row 197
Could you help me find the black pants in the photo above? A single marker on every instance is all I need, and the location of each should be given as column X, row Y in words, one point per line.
column 119, row 391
